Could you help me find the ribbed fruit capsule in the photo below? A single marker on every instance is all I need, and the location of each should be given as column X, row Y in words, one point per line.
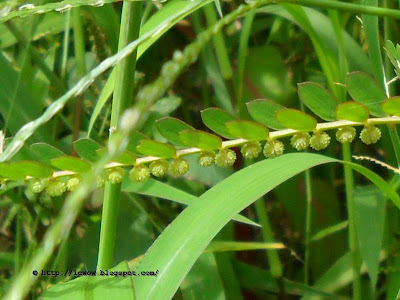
column 178, row 167
column 206, row 158
column 320, row 140
column 115, row 175
column 159, row 168
column 73, row 183
column 55, row 188
column 37, row 185
column 251, row 150
column 346, row 134
column 370, row 134
column 225, row 158
column 300, row 141
column 273, row 148
column 139, row 173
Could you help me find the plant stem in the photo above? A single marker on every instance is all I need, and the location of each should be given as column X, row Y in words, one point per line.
column 273, row 257
column 18, row 241
column 130, row 28
column 219, row 43
column 307, row 176
column 353, row 242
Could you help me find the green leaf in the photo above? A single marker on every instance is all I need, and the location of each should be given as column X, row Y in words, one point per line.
column 370, row 204
column 392, row 106
column 96, row 287
column 295, row 119
column 329, row 231
column 216, row 119
column 200, row 139
column 248, row 130
column 22, row 169
column 263, row 111
column 365, row 90
column 169, row 128
column 71, row 163
column 177, row 248
column 44, row 152
column 134, row 140
column 125, row 158
column 161, row 190
column 352, row 111
column 167, row 105
column 86, row 149
column 227, row 246
column 320, row 101
column 154, row 148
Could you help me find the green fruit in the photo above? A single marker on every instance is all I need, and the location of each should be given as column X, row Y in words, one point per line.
column 178, row 167
column 139, row 173
column 73, row 183
column 300, row 141
column 251, row 150
column 115, row 175
column 55, row 188
column 346, row 134
column 370, row 134
column 320, row 140
column 225, row 158
column 206, row 158
column 273, row 148
column 37, row 185
column 159, row 168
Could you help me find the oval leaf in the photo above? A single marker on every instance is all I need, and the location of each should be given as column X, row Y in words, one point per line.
column 22, row 169
column 71, row 163
column 295, row 119
column 392, row 106
column 154, row 148
column 44, row 152
column 263, row 111
column 169, row 128
column 319, row 100
column 135, row 138
column 216, row 119
column 248, row 130
column 200, row 139
column 86, row 148
column 365, row 90
column 125, row 158
column 352, row 111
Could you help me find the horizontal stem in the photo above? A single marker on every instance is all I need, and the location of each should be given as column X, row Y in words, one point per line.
column 238, row 142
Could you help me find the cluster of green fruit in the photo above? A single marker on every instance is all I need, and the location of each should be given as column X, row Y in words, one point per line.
column 224, row 158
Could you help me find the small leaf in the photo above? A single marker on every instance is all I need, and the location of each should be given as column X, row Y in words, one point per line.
column 21, row 169
column 352, row 111
column 86, row 148
column 369, row 204
column 154, row 148
column 216, row 119
column 392, row 106
column 165, row 106
column 200, row 139
column 320, row 101
column 135, row 138
column 263, row 111
column 45, row 152
column 169, row 128
column 365, row 90
column 295, row 119
column 248, row 130
column 125, row 158
column 71, row 163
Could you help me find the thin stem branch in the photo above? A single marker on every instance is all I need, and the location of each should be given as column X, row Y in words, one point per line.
column 125, row 76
